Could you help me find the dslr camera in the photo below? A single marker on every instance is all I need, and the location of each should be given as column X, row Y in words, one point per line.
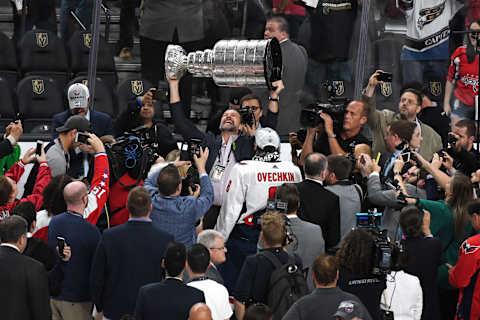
column 246, row 116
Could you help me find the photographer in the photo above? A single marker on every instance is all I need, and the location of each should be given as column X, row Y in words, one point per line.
column 226, row 149
column 392, row 199
column 408, row 108
column 460, row 147
column 402, row 137
column 355, row 259
column 252, row 102
column 328, row 140
column 140, row 113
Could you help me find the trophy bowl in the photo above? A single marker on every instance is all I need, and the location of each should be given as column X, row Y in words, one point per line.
column 231, row 63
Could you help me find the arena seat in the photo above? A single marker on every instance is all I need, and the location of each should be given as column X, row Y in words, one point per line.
column 42, row 53
column 7, row 105
column 129, row 89
column 39, row 98
column 8, row 61
column 104, row 99
column 79, row 49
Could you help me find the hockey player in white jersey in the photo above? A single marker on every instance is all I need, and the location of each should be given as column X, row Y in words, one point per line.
column 246, row 194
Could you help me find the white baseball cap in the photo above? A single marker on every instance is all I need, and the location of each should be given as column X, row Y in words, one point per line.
column 78, row 95
column 265, row 137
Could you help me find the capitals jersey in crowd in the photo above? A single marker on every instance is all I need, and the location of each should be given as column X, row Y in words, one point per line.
column 97, row 197
column 464, row 75
column 427, row 28
column 250, row 183
column 464, row 276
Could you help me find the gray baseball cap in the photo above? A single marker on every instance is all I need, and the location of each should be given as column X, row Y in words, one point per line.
column 75, row 122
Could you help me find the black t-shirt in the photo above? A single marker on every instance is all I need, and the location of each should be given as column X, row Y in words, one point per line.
column 332, row 27
column 321, row 143
column 368, row 288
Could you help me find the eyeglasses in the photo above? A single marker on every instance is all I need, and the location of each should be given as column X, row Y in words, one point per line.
column 221, row 248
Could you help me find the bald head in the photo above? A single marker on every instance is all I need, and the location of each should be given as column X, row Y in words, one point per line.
column 74, row 193
column 200, row 311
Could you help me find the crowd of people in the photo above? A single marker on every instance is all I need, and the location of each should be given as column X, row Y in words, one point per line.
column 376, row 216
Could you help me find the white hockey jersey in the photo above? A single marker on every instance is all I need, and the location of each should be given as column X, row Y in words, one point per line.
column 427, row 22
column 250, row 183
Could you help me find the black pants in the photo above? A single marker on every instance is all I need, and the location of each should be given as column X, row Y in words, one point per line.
column 128, row 23
column 448, row 303
column 152, row 53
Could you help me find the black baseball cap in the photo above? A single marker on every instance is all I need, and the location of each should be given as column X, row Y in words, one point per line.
column 75, row 122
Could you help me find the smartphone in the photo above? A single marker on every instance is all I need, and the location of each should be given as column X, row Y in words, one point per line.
column 82, row 138
column 39, row 147
column 61, row 246
column 385, row 77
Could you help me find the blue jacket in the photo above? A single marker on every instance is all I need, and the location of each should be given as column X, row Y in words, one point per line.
column 178, row 215
column 135, row 245
column 82, row 237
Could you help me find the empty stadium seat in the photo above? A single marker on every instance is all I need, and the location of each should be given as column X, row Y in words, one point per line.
column 7, row 106
column 8, row 61
column 39, row 98
column 79, row 50
column 43, row 53
column 104, row 99
column 129, row 89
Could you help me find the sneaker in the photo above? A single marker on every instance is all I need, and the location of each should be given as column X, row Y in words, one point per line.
column 125, row 53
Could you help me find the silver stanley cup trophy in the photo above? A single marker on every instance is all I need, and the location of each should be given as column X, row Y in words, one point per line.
column 231, row 63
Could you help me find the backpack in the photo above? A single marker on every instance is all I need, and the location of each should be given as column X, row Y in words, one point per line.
column 287, row 284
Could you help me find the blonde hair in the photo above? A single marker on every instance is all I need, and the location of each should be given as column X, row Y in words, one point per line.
column 273, row 228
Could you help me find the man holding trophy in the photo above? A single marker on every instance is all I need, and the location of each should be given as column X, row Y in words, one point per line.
column 252, row 63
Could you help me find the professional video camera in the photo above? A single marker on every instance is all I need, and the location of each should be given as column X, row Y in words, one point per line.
column 310, row 115
column 386, row 255
column 192, row 178
column 247, row 116
column 133, row 153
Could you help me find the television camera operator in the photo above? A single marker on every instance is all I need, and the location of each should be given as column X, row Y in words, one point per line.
column 138, row 120
column 358, row 267
column 338, row 135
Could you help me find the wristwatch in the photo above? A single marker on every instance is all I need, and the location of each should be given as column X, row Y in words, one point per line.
column 333, row 135
column 273, row 99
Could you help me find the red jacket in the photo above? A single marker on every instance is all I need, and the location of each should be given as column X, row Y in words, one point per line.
column 119, row 213
column 97, row 197
column 15, row 173
column 464, row 276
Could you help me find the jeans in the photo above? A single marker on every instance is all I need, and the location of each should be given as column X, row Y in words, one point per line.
column 424, row 70
column 241, row 243
column 128, row 23
column 83, row 10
